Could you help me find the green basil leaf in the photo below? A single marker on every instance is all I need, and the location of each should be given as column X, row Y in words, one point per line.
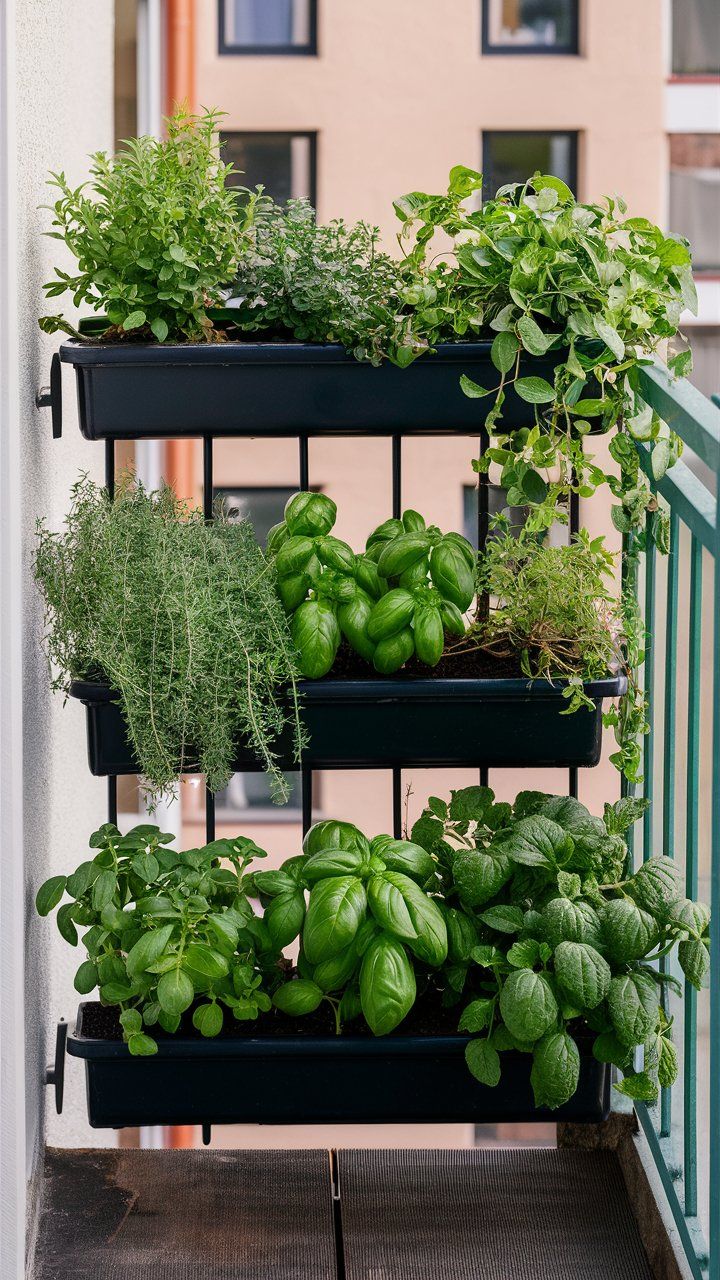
column 86, row 978
column 298, row 997
column 335, row 911
column 629, row 933
column 142, row 1046
column 536, row 842
column 335, row 835
column 387, row 985
column 479, row 875
column 656, row 885
column 284, row 917
column 533, row 338
column 694, row 960
column 332, row 862
column 506, row 918
column 430, row 942
column 566, row 921
column 386, row 901
column 524, row 954
column 639, row 1086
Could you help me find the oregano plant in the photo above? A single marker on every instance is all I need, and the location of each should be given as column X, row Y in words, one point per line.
column 156, row 234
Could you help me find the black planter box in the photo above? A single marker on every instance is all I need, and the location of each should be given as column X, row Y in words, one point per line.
column 412, row 721
column 316, row 1080
column 135, row 390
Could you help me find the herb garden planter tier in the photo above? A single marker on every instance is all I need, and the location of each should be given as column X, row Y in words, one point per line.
column 316, row 1080
column 355, row 724
column 132, row 390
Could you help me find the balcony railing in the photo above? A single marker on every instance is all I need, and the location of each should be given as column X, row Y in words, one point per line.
column 681, row 601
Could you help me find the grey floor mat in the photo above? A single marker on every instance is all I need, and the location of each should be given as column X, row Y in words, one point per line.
column 186, row 1215
column 487, row 1215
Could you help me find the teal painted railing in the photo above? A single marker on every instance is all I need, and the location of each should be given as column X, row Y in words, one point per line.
column 681, row 600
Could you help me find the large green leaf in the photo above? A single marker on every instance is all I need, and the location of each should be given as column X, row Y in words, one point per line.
column 583, row 973
column 537, row 842
column 387, row 985
column 555, row 1069
column 480, row 874
column 527, row 1004
column 633, row 1007
column 335, row 911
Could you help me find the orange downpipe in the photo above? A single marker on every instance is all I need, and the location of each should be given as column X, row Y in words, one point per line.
column 180, row 454
column 180, row 87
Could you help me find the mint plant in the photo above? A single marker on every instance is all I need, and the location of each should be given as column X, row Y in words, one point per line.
column 164, row 932
column 567, row 937
column 157, row 240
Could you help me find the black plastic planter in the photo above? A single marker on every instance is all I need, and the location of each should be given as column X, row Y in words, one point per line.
column 135, row 390
column 316, row 1080
column 366, row 724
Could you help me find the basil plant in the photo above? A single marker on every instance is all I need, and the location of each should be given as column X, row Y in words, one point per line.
column 370, row 919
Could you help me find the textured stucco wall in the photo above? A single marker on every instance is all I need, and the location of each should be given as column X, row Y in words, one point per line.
column 63, row 102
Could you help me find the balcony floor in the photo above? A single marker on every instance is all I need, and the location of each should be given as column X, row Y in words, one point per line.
column 401, row 1215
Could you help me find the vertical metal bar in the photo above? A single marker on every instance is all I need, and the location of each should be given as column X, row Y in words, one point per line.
column 397, row 512
column 669, row 719
column 649, row 684
column 483, row 528
column 306, row 778
column 208, row 513
column 209, row 815
column 112, row 799
column 715, row 936
column 304, row 462
column 112, row 808
column 574, row 527
column 628, row 577
column 306, row 782
column 208, row 477
column 110, row 467
column 692, row 829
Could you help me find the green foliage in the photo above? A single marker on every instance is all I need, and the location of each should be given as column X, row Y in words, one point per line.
column 316, row 283
column 181, row 617
column 565, row 939
column 158, row 238
column 168, row 930
column 373, row 922
column 397, row 599
column 592, row 290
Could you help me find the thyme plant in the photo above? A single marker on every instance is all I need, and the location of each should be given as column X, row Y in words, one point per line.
column 181, row 617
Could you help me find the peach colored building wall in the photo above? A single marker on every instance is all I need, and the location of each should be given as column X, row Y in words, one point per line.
column 398, row 93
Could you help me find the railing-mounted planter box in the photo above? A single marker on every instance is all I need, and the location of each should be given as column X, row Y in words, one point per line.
column 355, row 724
column 132, row 390
column 304, row 1079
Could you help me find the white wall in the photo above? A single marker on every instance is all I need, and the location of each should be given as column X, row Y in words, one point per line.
column 57, row 90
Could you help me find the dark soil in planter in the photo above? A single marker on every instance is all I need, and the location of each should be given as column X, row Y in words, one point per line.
column 427, row 1018
column 473, row 664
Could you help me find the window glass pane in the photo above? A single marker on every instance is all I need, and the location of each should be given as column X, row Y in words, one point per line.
column 266, row 24
column 695, row 37
column 282, row 162
column 531, row 24
column 514, row 157
column 264, row 508
column 695, row 195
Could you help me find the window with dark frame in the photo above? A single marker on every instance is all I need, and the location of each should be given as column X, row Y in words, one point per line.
column 516, row 156
column 267, row 27
column 530, row 26
column 249, row 793
column 284, row 163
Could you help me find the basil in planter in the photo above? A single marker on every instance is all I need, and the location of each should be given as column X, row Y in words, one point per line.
column 158, row 239
column 400, row 598
column 181, row 617
column 167, row 931
column 566, row 937
column 370, row 920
